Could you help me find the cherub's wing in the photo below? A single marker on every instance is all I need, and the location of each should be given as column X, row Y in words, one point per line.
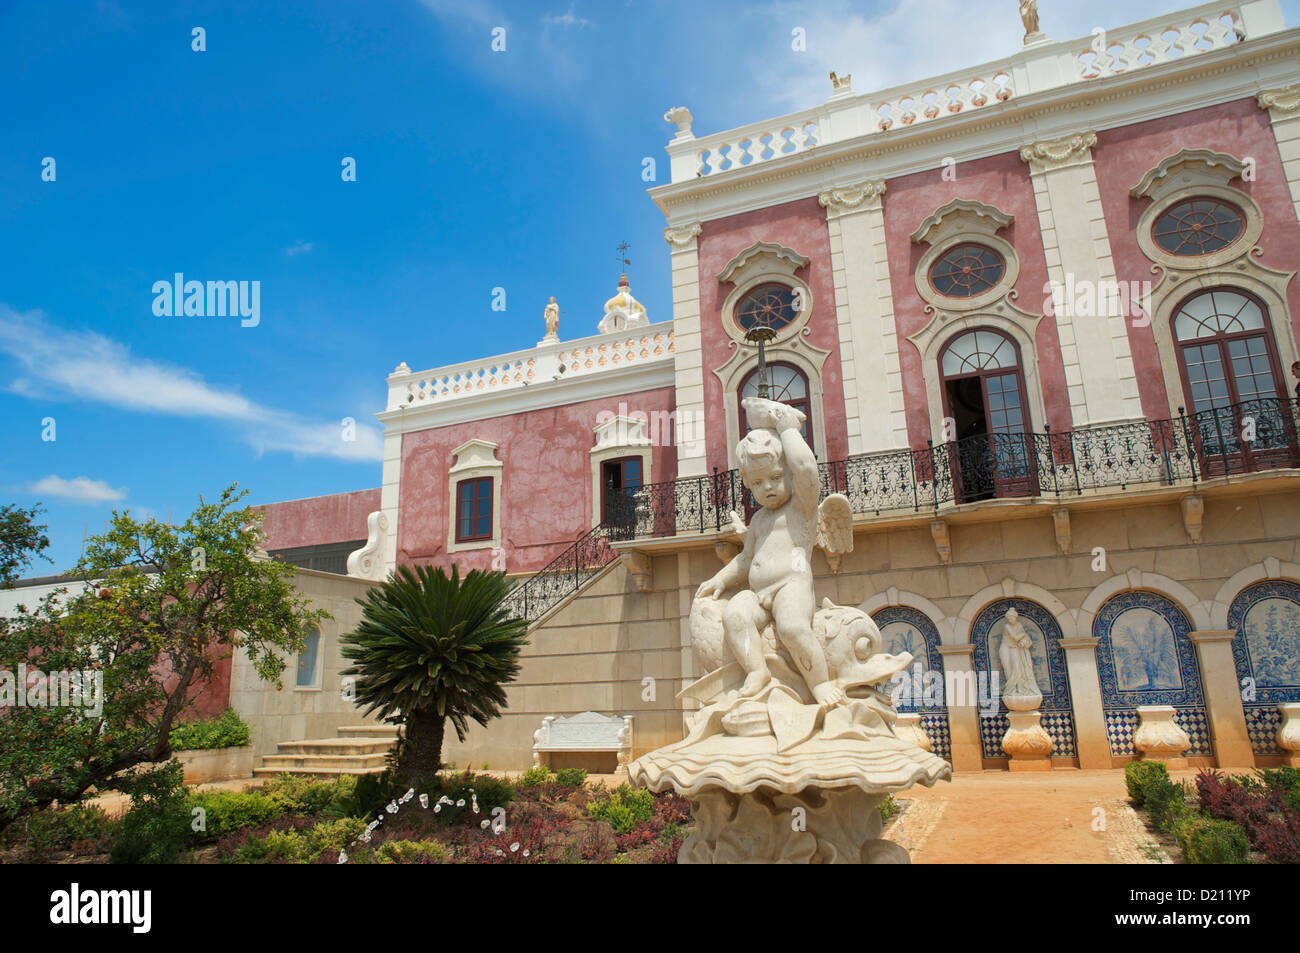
column 835, row 528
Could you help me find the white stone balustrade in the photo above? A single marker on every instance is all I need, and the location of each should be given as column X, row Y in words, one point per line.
column 543, row 363
column 1035, row 68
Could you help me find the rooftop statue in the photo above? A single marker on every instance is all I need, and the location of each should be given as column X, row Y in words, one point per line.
column 552, row 317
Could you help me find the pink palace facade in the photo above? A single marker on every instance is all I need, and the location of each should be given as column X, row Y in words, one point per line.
column 1041, row 314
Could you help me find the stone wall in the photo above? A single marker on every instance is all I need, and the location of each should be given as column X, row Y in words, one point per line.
column 292, row 713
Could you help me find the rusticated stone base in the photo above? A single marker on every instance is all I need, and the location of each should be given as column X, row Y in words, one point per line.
column 836, row 826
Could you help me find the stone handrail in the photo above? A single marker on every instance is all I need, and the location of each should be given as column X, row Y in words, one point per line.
column 1039, row 66
column 545, row 362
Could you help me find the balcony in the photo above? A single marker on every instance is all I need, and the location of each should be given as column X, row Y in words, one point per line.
column 1251, row 437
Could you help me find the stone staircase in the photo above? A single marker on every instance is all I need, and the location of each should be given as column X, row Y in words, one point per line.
column 359, row 749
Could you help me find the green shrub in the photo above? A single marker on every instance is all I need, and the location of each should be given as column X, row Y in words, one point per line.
column 157, row 827
column 226, row 730
column 536, row 775
column 306, row 796
column 59, row 829
column 1138, row 775
column 367, row 795
column 571, row 777
column 299, row 847
column 1166, row 802
column 1207, row 841
column 888, row 807
column 410, row 852
column 623, row 809
column 273, row 847
column 225, row 812
column 332, row 835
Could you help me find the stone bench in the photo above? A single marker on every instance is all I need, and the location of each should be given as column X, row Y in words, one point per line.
column 587, row 732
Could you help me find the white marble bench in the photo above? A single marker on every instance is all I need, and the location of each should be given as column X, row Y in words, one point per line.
column 589, row 731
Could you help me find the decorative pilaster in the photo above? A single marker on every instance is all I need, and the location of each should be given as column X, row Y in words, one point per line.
column 864, row 311
column 963, row 720
column 689, row 364
column 1092, row 745
column 1099, row 375
column 1232, row 747
column 1283, row 107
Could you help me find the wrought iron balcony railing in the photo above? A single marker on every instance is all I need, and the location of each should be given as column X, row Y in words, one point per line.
column 1238, row 438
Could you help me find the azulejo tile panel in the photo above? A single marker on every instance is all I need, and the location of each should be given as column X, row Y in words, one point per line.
column 1266, row 653
column 904, row 629
column 1145, row 656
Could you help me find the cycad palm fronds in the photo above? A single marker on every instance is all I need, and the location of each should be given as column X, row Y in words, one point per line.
column 431, row 646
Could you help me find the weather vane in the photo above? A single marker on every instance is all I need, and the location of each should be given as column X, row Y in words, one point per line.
column 622, row 254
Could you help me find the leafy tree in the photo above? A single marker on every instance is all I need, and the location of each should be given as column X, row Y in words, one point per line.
column 21, row 539
column 431, row 647
column 170, row 601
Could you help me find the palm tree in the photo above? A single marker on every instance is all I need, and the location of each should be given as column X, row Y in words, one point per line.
column 431, row 647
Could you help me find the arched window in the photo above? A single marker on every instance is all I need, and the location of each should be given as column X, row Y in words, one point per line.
column 1230, row 374
column 984, row 396
column 787, row 384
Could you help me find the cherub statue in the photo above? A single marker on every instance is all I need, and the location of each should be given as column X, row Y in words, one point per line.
column 780, row 470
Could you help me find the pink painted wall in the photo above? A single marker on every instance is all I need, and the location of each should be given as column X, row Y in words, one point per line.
column 1123, row 156
column 546, row 481
column 1002, row 181
column 798, row 225
column 338, row 518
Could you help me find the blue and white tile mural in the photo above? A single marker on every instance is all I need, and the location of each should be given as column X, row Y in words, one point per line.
column 1049, row 672
column 1145, row 657
column 904, row 629
column 1266, row 650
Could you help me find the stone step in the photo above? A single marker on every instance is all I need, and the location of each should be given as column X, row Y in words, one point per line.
column 315, row 772
column 335, row 746
column 368, row 731
column 323, row 761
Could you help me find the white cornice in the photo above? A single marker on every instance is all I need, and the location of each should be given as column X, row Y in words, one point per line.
column 615, row 382
column 1208, row 79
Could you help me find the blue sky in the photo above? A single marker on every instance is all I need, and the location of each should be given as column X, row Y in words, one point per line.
column 476, row 169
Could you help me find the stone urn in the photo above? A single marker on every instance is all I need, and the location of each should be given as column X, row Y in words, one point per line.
column 1160, row 738
column 908, row 726
column 1027, row 742
column 1288, row 733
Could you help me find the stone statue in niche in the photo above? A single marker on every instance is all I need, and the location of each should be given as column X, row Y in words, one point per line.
column 795, row 709
column 1016, row 655
column 552, row 316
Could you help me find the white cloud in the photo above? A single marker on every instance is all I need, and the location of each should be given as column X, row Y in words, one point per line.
column 79, row 489
column 565, row 20
column 299, row 248
column 82, row 365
